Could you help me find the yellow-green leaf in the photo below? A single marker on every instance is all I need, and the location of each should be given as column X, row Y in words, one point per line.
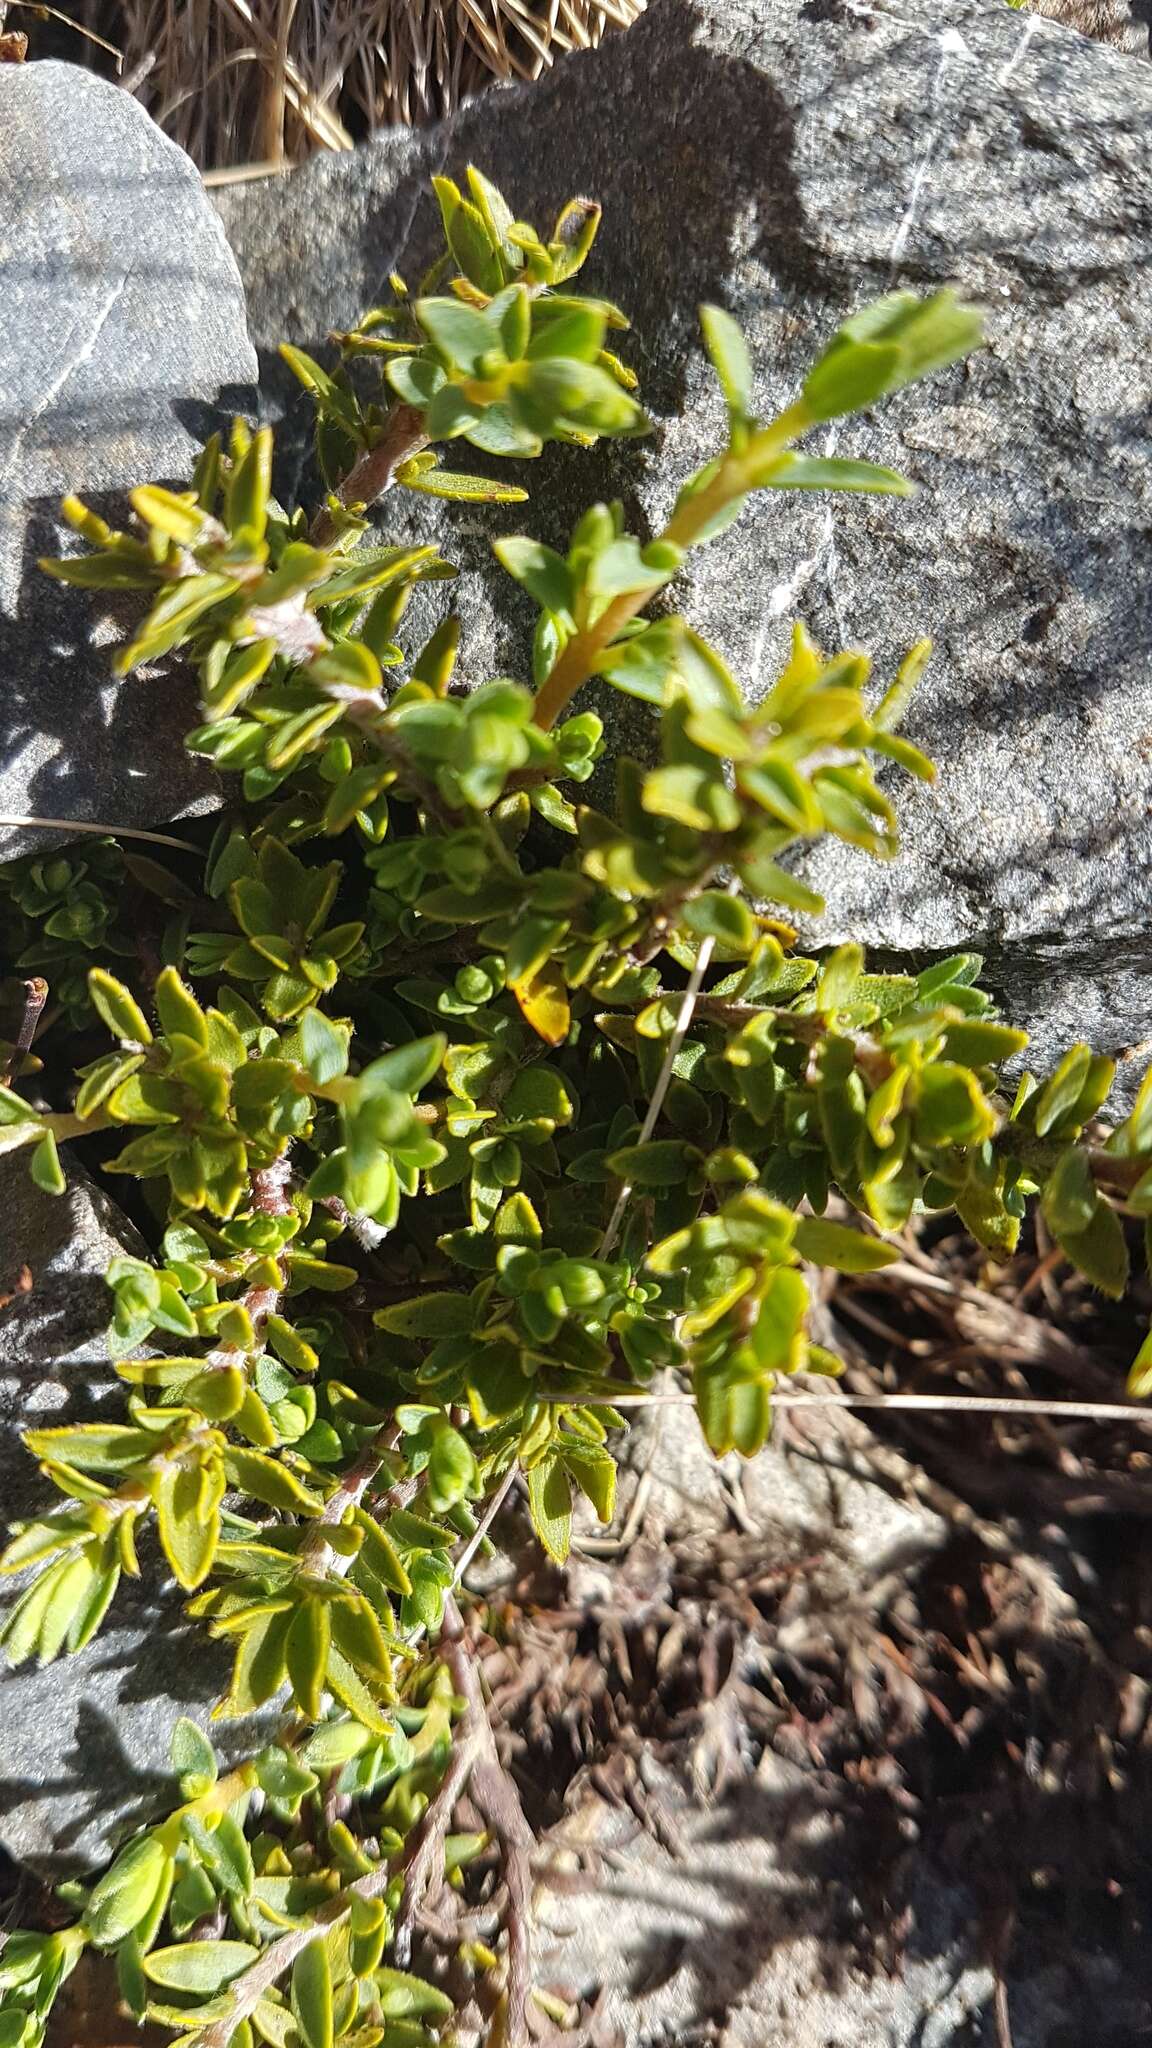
column 550, row 1506
column 312, row 1996
column 118, row 1008
column 306, row 1655
column 189, row 1536
column 543, row 1000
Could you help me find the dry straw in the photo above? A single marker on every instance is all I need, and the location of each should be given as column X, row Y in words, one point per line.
column 261, row 83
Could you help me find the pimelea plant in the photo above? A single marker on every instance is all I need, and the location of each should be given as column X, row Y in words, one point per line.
column 465, row 1109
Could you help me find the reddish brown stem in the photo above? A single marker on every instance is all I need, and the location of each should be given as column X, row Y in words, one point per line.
column 35, row 997
column 270, row 1188
column 499, row 1802
column 375, row 472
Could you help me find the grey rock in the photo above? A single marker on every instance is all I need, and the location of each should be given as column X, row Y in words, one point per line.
column 748, row 1917
column 812, row 1484
column 793, row 161
column 52, row 1332
column 121, row 332
column 84, row 1744
column 753, row 1932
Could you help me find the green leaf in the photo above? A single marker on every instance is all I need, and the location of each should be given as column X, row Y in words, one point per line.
column 428, row 1315
column 259, row 1669
column 118, row 1008
column 312, row 1996
column 890, row 343
column 1069, row 1198
column 407, row 1067
column 289, row 1345
column 1139, row 1383
column 306, row 1655
column 178, row 1010
column 624, row 566
column 550, row 1506
column 173, row 616
column 833, row 1244
column 193, row 1757
column 178, row 517
column 267, row 1480
column 200, row 1966
column 188, row 1534
column 249, row 486
column 1100, row 1251
column 578, row 332
column 894, row 703
column 223, row 1852
column 458, row 331
column 730, row 359
column 735, row 1412
column 562, row 393
column 45, row 1167
column 15, row 1111
column 713, row 914
column 850, row 377
column 340, row 405
column 594, row 1472
column 774, row 884
column 415, row 379
column 540, row 569
column 1061, row 1093
column 404, row 1997
column 981, row 1043
column 827, row 473
column 323, row 1046
column 777, row 785
column 660, row 1163
column 643, row 666
column 952, row 1109
column 125, row 1893
column 839, row 974
column 457, row 485
column 451, row 1470
column 982, row 1211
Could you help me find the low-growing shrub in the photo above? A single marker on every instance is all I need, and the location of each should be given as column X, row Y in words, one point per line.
column 464, row 1108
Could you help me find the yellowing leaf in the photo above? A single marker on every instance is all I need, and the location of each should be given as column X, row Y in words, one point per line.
column 543, row 1000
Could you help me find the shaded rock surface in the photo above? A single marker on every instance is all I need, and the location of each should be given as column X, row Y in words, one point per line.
column 793, row 162
column 792, row 1908
column 746, row 1936
column 121, row 330
column 84, row 1742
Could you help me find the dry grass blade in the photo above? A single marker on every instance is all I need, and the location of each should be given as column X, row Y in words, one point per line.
column 101, row 831
column 255, row 82
column 927, row 1404
column 38, row 8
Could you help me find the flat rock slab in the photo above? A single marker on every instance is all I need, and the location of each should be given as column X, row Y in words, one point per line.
column 121, row 333
column 84, row 1742
column 793, row 162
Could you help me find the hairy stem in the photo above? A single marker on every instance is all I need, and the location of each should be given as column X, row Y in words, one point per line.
column 476, row 1763
column 375, row 472
column 735, row 475
column 35, row 995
